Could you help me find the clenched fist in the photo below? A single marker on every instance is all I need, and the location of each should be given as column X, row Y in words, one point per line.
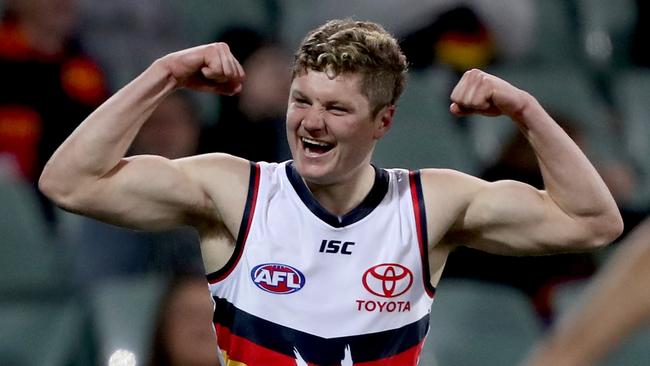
column 478, row 92
column 210, row 67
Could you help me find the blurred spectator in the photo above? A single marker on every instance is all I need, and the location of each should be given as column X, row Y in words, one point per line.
column 456, row 38
column 126, row 36
column 49, row 83
column 103, row 250
column 511, row 22
column 252, row 124
column 184, row 335
column 202, row 19
column 172, row 131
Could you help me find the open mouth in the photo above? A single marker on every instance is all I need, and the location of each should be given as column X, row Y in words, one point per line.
column 316, row 147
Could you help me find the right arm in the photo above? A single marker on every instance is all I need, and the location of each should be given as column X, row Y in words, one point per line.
column 89, row 175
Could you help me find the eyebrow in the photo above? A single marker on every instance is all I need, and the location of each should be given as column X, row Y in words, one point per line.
column 329, row 103
column 298, row 94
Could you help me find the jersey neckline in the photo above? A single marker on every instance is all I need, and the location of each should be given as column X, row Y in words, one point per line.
column 369, row 203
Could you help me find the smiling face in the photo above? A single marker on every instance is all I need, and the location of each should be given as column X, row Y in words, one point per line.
column 330, row 127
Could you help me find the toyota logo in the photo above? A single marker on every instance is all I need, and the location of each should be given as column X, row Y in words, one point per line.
column 387, row 280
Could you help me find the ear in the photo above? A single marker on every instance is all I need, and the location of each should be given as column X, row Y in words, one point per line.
column 383, row 121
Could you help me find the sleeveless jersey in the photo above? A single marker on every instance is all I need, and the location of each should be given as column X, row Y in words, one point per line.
column 305, row 287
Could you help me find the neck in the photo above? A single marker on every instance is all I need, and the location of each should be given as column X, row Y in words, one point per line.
column 340, row 198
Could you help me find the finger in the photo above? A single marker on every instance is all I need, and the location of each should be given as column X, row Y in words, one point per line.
column 240, row 70
column 459, row 89
column 214, row 67
column 473, row 94
column 224, row 59
column 207, row 72
column 229, row 88
column 235, row 71
column 214, row 71
column 460, row 111
column 482, row 96
column 237, row 89
column 231, row 66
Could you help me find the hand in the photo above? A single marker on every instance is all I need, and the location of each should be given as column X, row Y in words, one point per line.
column 478, row 92
column 210, row 67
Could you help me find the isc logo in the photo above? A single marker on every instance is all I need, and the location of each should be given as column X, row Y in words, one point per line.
column 335, row 246
column 277, row 278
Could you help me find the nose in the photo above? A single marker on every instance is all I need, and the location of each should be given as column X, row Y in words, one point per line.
column 313, row 121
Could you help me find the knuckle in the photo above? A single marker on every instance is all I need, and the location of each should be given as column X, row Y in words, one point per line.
column 223, row 45
column 473, row 72
column 214, row 49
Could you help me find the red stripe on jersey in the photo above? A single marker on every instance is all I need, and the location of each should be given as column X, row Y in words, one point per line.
column 241, row 242
column 242, row 350
column 420, row 226
column 253, row 204
column 251, row 354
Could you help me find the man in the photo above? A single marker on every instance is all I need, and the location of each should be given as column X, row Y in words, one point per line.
column 327, row 258
column 615, row 306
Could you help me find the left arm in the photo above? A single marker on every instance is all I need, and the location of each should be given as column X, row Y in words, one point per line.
column 575, row 211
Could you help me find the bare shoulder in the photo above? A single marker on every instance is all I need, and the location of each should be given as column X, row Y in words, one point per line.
column 450, row 183
column 447, row 194
column 219, row 166
column 224, row 178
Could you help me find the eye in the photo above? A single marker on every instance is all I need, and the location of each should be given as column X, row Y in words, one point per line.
column 301, row 102
column 338, row 110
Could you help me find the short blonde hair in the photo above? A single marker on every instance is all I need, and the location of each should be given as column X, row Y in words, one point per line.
column 349, row 46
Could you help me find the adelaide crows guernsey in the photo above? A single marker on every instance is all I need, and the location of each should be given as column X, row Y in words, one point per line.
column 305, row 287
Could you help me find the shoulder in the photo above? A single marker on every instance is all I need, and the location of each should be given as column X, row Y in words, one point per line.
column 215, row 167
column 223, row 177
column 450, row 190
column 451, row 181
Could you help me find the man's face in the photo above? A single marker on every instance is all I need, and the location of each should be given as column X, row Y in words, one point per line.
column 330, row 129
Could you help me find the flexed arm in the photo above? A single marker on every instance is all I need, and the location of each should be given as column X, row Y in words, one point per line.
column 88, row 174
column 575, row 211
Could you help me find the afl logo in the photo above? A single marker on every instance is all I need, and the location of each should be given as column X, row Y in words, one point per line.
column 387, row 280
column 277, row 278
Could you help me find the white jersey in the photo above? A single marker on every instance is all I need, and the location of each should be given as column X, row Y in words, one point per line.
column 307, row 287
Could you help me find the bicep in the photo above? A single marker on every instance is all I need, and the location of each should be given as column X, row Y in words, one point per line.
column 510, row 218
column 505, row 217
column 146, row 192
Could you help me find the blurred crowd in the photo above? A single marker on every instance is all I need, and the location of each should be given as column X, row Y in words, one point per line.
column 60, row 59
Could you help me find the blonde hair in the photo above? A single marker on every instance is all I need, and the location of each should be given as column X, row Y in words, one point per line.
column 349, row 46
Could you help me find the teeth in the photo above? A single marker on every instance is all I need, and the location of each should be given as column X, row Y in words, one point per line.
column 315, row 142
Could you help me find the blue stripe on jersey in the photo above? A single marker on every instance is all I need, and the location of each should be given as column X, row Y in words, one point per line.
column 244, row 226
column 369, row 203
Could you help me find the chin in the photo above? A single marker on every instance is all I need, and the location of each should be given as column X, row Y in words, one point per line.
column 315, row 173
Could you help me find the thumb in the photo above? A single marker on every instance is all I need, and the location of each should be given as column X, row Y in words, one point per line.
column 212, row 74
column 459, row 111
column 230, row 87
